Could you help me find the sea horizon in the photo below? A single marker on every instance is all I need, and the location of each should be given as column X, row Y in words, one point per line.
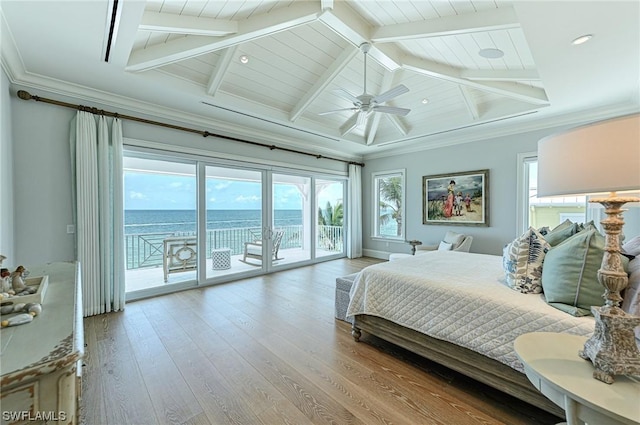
column 138, row 221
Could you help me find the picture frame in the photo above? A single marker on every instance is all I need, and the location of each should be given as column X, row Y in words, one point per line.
column 460, row 199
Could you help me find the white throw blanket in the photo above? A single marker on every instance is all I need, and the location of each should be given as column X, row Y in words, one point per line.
column 460, row 298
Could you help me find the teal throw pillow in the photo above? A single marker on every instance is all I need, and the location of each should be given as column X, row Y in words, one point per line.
column 561, row 232
column 570, row 273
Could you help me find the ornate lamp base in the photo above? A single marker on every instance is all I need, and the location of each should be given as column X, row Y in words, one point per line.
column 612, row 349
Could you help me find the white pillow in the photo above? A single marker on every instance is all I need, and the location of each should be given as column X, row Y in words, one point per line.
column 631, row 301
column 453, row 238
column 632, row 247
column 444, row 246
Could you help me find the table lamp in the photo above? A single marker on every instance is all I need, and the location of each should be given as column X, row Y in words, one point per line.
column 603, row 157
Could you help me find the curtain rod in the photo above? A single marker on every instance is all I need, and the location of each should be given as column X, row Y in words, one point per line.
column 24, row 95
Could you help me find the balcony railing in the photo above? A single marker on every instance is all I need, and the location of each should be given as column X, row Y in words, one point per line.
column 145, row 250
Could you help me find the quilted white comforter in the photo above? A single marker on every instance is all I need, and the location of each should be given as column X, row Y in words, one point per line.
column 460, row 298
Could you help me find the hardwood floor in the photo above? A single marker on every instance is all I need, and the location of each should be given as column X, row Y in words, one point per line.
column 267, row 350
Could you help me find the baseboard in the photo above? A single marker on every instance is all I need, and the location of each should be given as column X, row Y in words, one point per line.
column 383, row 255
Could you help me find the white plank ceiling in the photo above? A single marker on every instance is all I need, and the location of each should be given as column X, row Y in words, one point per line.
column 185, row 56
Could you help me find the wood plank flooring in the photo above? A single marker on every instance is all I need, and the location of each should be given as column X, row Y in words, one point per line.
column 267, row 350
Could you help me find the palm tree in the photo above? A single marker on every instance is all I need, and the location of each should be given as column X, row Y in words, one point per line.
column 331, row 216
column 391, row 199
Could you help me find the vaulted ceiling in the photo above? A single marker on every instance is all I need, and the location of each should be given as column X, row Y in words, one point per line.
column 186, row 59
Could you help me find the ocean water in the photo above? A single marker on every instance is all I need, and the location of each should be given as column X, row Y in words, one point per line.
column 170, row 221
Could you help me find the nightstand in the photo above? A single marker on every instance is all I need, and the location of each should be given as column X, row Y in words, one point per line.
column 552, row 364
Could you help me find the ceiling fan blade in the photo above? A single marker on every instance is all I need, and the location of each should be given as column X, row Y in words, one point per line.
column 337, row 110
column 391, row 110
column 346, row 95
column 390, row 94
column 350, row 124
column 362, row 118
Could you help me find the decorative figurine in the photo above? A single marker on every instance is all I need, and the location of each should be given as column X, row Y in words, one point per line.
column 18, row 283
column 5, row 280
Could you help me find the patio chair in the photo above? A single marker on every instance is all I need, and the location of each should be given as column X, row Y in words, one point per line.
column 254, row 249
column 179, row 255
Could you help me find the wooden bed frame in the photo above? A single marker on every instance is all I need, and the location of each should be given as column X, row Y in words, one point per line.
column 460, row 359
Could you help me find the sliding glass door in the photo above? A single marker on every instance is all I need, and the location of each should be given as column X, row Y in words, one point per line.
column 160, row 222
column 330, row 217
column 190, row 221
column 234, row 217
column 291, row 218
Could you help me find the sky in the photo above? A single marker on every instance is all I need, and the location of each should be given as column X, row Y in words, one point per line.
column 146, row 191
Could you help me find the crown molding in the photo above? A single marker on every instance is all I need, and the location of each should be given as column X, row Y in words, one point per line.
column 14, row 68
column 458, row 137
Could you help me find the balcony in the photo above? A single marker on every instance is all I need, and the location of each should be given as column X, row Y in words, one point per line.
column 144, row 252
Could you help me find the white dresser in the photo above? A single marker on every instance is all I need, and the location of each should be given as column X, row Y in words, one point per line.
column 41, row 362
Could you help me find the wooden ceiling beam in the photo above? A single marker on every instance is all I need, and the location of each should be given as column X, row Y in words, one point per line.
column 326, row 4
column 520, row 92
column 373, row 129
column 172, row 23
column 470, row 103
column 490, row 20
column 299, row 13
column 327, row 77
column 500, row 74
column 350, row 26
column 215, row 80
column 398, row 124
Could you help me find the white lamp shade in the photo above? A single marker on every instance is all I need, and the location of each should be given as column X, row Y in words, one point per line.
column 597, row 158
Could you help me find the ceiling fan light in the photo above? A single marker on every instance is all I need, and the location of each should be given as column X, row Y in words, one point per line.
column 491, row 53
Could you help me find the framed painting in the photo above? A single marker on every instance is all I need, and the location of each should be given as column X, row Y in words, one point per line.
column 456, row 198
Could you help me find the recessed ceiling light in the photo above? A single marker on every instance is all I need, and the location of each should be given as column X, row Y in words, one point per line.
column 582, row 39
column 491, row 53
column 244, row 59
column 425, row 101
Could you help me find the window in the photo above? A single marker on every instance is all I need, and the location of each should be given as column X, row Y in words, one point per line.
column 388, row 198
column 540, row 212
column 191, row 220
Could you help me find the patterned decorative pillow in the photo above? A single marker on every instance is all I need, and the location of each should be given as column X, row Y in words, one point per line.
column 544, row 230
column 522, row 261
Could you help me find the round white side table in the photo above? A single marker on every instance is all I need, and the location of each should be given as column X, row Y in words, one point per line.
column 552, row 364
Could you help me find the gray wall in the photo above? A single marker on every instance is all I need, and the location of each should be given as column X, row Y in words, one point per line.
column 7, row 246
column 35, row 180
column 498, row 155
column 42, row 176
column 42, row 179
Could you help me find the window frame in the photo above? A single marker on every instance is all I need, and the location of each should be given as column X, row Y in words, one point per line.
column 375, row 177
column 522, row 194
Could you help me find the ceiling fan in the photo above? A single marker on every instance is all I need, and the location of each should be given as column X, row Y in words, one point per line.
column 365, row 104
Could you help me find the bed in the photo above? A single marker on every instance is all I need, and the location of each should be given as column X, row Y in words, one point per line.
column 456, row 309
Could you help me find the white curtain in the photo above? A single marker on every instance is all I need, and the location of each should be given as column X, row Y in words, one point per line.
column 98, row 196
column 354, row 245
